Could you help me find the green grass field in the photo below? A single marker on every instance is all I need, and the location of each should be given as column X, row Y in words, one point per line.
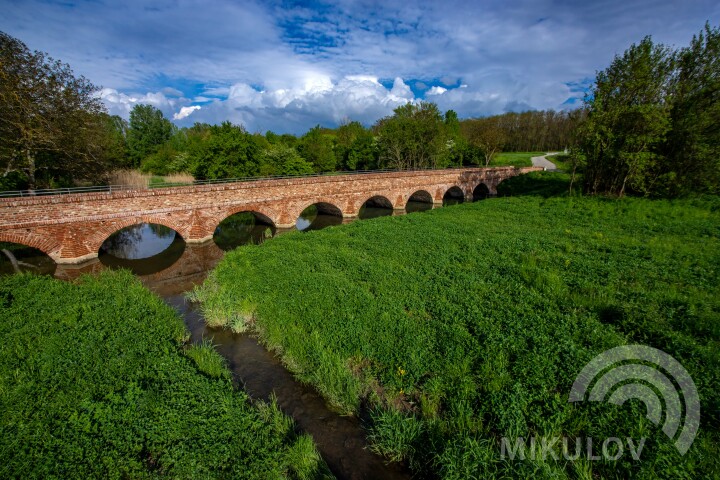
column 515, row 159
column 95, row 382
column 463, row 325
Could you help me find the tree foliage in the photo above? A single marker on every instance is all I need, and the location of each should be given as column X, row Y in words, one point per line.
column 51, row 128
column 116, row 150
column 693, row 149
column 147, row 132
column 531, row 131
column 317, row 148
column 226, row 151
column 355, row 147
column 283, row 160
column 652, row 121
column 628, row 120
column 415, row 136
column 460, row 152
column 486, row 135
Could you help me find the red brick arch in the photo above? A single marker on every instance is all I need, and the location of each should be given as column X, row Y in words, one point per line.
column 270, row 213
column 485, row 184
column 104, row 229
column 48, row 245
column 337, row 202
column 391, row 197
column 410, row 192
column 449, row 187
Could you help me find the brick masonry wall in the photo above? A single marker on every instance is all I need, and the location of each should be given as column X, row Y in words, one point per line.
column 71, row 228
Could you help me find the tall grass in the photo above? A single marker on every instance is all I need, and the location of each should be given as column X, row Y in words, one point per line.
column 95, row 383
column 137, row 179
column 470, row 323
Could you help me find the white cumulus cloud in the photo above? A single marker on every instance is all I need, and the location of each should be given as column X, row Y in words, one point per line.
column 316, row 100
column 121, row 104
column 185, row 112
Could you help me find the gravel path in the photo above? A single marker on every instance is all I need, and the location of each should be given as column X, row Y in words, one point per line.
column 544, row 162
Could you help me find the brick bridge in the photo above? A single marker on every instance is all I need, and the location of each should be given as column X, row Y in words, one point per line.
column 71, row 228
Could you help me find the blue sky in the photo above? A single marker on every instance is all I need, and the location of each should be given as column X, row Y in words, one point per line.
column 289, row 65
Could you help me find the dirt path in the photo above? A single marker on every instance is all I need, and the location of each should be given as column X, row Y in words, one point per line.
column 544, row 162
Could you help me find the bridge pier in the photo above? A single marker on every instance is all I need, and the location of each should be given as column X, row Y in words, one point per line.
column 60, row 260
column 198, row 241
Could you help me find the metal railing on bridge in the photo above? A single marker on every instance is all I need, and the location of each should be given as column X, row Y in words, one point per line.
column 153, row 186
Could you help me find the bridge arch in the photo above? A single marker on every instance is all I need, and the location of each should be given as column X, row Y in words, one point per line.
column 453, row 196
column 418, row 200
column 480, row 192
column 49, row 246
column 329, row 205
column 326, row 209
column 376, row 206
column 107, row 228
column 243, row 227
column 261, row 211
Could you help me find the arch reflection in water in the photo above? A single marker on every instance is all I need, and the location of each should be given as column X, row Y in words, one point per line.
column 242, row 229
column 453, row 196
column 319, row 216
column 17, row 258
column 419, row 201
column 144, row 248
column 374, row 207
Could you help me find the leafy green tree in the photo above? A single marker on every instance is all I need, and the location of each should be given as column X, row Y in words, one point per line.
column 172, row 156
column 289, row 139
column 345, row 135
column 459, row 148
column 286, row 139
column 693, row 147
column 363, row 153
column 415, row 136
column 355, row 147
column 486, row 135
column 628, row 120
column 225, row 151
column 116, row 150
column 147, row 132
column 282, row 160
column 317, row 148
column 50, row 124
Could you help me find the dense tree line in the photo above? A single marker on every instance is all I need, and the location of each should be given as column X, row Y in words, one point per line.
column 653, row 121
column 533, row 131
column 415, row 136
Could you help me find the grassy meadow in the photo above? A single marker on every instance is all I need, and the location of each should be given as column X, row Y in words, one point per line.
column 97, row 382
column 515, row 159
column 453, row 328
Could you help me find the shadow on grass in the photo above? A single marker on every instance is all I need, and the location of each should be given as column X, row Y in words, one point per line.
column 543, row 184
